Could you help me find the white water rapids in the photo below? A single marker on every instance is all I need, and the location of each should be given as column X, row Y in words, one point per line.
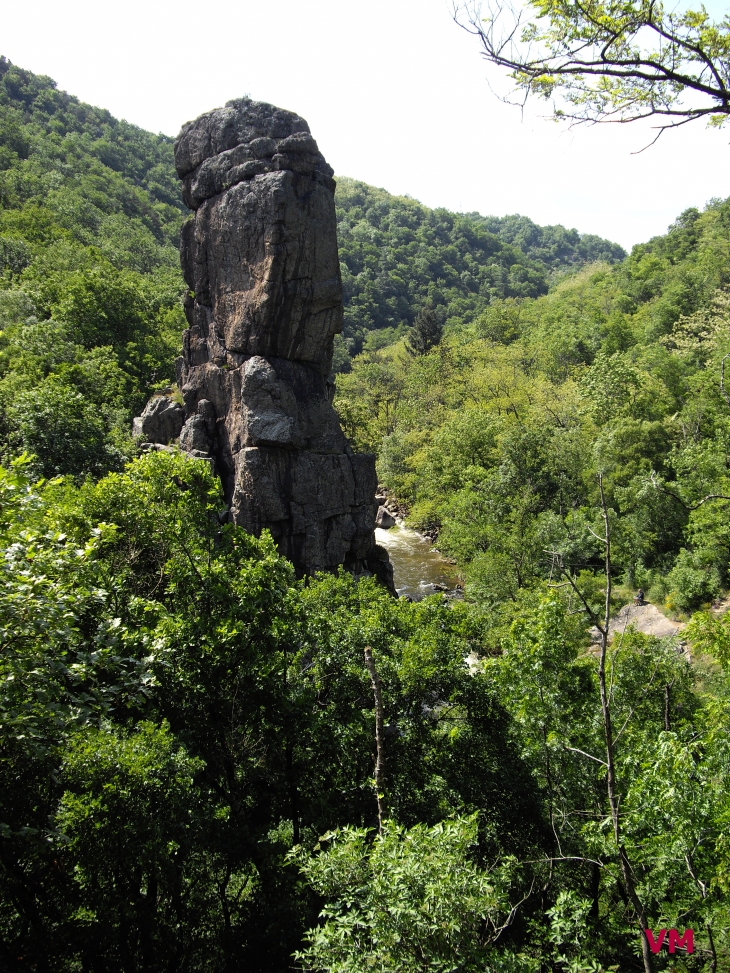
column 416, row 568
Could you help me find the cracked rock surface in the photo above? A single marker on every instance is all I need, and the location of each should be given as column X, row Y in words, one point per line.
column 260, row 258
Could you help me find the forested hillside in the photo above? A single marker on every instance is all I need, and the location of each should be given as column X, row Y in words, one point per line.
column 188, row 734
column 397, row 257
column 90, row 299
column 494, row 438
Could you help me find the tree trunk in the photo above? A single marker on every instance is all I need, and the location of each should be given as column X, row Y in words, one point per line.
column 613, row 798
column 379, row 739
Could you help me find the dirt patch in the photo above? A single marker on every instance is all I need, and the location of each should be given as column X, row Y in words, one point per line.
column 645, row 618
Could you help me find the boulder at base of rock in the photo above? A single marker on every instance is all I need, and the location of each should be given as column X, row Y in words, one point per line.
column 384, row 519
column 161, row 421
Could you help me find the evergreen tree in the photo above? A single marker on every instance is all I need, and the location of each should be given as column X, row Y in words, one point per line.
column 426, row 333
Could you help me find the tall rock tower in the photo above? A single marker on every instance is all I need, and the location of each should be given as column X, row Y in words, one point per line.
column 260, row 258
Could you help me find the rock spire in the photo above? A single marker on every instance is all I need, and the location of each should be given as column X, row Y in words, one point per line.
column 260, row 258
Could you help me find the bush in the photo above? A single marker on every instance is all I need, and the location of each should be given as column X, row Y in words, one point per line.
column 690, row 584
column 409, row 899
column 64, row 432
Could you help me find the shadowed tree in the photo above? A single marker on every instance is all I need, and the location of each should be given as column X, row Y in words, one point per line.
column 426, row 332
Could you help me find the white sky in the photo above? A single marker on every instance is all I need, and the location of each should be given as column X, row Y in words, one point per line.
column 394, row 92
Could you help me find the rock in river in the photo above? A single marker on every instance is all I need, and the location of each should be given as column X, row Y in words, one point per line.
column 384, row 518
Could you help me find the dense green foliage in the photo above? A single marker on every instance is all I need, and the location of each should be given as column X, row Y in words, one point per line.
column 90, row 285
column 187, row 733
column 394, row 880
column 398, row 257
column 495, row 437
column 182, row 721
column 176, row 711
column 89, row 274
column 518, row 440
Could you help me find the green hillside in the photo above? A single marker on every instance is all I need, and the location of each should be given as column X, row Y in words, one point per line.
column 90, row 283
column 496, row 435
column 90, row 212
column 398, row 256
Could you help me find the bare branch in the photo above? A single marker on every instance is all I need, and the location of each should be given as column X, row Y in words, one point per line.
column 564, row 858
column 597, row 536
column 687, row 506
column 606, row 73
column 584, row 754
column 513, row 912
column 571, row 582
column 722, row 380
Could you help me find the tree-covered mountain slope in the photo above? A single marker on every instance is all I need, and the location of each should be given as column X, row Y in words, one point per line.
column 188, row 733
column 397, row 256
column 495, row 437
column 90, row 285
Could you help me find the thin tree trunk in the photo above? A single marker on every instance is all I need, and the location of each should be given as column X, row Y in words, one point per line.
column 713, row 959
column 613, row 798
column 379, row 739
column 293, row 792
column 703, row 892
column 289, row 759
column 595, row 890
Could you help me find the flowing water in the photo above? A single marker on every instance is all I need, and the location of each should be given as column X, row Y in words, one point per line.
column 417, row 570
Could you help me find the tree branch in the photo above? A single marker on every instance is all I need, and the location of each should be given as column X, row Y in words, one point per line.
column 577, row 46
column 584, row 754
column 696, row 506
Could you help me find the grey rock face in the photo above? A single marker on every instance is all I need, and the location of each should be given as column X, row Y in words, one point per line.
column 198, row 434
column 260, row 256
column 261, row 252
column 160, row 422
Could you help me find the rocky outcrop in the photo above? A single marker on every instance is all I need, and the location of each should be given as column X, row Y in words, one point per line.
column 198, row 435
column 260, row 259
column 384, row 518
column 161, row 420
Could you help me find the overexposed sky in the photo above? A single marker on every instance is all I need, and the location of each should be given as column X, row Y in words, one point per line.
column 394, row 92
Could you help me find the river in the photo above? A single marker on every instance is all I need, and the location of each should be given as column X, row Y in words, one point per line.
column 416, row 568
